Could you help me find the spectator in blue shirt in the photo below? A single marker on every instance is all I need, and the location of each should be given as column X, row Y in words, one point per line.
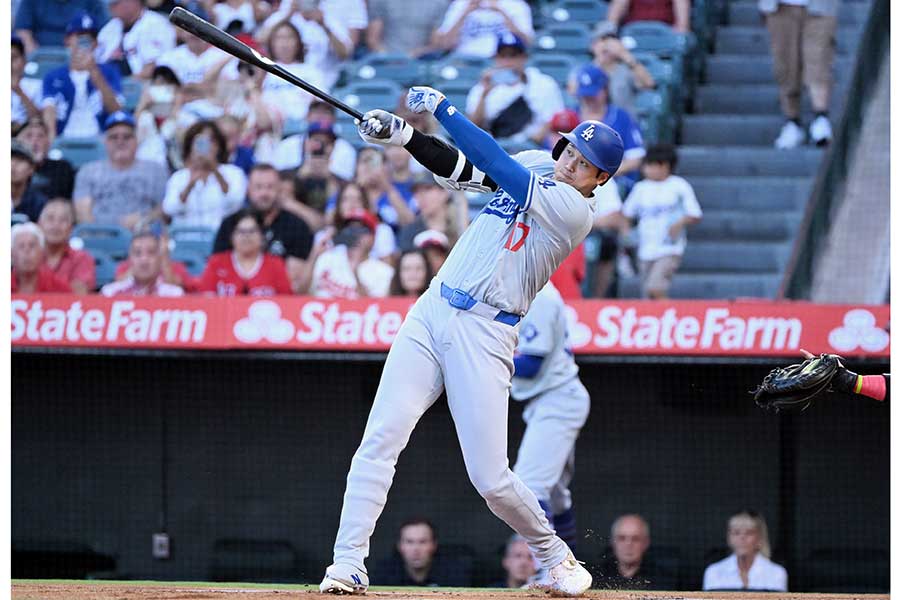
column 44, row 22
column 78, row 96
column 593, row 103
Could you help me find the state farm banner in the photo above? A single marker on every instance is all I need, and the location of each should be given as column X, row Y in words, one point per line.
column 694, row 327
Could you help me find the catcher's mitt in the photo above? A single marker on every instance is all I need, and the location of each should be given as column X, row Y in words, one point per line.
column 797, row 386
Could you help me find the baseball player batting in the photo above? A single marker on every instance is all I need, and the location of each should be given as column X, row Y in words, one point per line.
column 546, row 377
column 461, row 334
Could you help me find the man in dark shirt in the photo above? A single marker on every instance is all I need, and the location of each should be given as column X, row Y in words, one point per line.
column 417, row 561
column 630, row 567
column 25, row 199
column 287, row 235
column 54, row 176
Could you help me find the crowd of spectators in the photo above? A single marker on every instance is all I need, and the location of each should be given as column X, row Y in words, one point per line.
column 630, row 562
column 293, row 206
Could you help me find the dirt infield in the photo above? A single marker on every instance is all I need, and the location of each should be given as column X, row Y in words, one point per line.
column 176, row 591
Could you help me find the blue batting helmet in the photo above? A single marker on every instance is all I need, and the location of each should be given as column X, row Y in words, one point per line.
column 599, row 143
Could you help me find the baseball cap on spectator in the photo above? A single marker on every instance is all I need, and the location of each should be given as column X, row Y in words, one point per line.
column 362, row 217
column 21, row 150
column 321, row 127
column 82, row 22
column 604, row 29
column 591, row 81
column 120, row 117
column 564, row 121
column 18, row 43
column 508, row 39
column 431, row 238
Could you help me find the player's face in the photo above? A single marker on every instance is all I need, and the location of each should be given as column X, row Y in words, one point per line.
column 56, row 222
column 743, row 539
column 263, row 188
column 630, row 541
column 573, row 168
column 27, row 254
column 518, row 562
column 417, row 545
column 413, row 272
column 146, row 262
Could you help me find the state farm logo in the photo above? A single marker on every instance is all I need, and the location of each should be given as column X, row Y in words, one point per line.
column 579, row 333
column 859, row 331
column 264, row 322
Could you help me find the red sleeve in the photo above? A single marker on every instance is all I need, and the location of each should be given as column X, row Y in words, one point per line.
column 14, row 284
column 208, row 280
column 281, row 282
column 85, row 270
column 121, row 268
column 188, row 282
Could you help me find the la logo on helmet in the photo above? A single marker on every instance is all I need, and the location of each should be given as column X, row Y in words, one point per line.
column 588, row 133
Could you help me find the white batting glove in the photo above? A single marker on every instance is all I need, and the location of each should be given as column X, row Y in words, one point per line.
column 423, row 98
column 382, row 127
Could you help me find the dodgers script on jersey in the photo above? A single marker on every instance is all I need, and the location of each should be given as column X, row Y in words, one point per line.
column 543, row 332
column 508, row 253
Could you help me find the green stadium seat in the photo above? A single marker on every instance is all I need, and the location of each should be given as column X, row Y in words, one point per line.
column 588, row 12
column 458, row 68
column 457, row 92
column 195, row 262
column 108, row 239
column 80, row 151
column 104, row 268
column 568, row 38
column 131, row 90
column 654, row 117
column 556, row 65
column 195, row 239
column 45, row 59
column 399, row 68
column 368, row 95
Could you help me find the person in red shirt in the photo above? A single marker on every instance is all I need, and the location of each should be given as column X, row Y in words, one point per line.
column 29, row 273
column 75, row 267
column 676, row 13
column 568, row 276
column 246, row 269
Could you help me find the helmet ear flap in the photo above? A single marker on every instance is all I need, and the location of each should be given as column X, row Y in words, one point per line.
column 561, row 144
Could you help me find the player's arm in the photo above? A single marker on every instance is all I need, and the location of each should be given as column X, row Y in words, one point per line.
column 451, row 167
column 527, row 366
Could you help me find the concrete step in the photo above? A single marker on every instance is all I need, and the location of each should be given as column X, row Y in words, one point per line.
column 749, row 225
column 739, row 68
column 734, row 257
column 712, row 286
column 730, row 130
column 762, row 195
column 744, row 12
column 743, row 39
column 747, row 160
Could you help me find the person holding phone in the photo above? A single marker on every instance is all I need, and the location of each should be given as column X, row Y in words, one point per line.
column 512, row 99
column 79, row 95
column 206, row 190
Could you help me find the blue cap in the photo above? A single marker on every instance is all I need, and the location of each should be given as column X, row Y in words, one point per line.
column 120, row 117
column 591, row 80
column 507, row 39
column 82, row 22
column 599, row 143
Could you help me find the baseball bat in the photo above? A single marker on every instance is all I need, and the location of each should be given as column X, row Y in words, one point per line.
column 207, row 31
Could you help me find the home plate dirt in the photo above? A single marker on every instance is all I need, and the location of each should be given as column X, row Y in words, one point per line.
column 161, row 591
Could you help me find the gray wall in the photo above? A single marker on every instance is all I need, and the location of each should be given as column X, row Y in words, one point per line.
column 108, row 450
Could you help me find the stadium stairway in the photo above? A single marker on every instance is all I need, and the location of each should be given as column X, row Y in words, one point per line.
column 752, row 195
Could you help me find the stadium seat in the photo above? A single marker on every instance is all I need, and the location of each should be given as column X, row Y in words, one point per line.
column 368, row 95
column 80, row 151
column 294, row 127
column 45, row 59
column 399, row 68
column 105, row 267
column 18, row 218
column 195, row 262
column 131, row 90
column 189, row 238
column 574, row 39
column 110, row 239
column 588, row 12
column 656, row 37
column 653, row 116
column 457, row 92
column 458, row 68
column 556, row 65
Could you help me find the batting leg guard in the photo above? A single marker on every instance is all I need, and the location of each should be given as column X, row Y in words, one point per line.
column 564, row 523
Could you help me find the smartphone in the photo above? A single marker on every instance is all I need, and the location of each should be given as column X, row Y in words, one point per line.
column 161, row 94
column 504, row 77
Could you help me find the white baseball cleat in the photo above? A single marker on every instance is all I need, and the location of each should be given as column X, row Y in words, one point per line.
column 568, row 579
column 344, row 579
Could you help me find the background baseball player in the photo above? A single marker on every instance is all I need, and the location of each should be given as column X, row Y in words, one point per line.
column 546, row 377
column 461, row 333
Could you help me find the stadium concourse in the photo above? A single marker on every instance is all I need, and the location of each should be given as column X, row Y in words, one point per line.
column 175, row 591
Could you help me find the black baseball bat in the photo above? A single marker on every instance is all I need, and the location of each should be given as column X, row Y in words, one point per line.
column 221, row 40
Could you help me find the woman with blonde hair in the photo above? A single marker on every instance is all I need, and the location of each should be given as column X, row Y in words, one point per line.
column 748, row 567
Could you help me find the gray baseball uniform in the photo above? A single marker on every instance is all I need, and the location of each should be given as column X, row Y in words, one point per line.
column 460, row 336
column 558, row 403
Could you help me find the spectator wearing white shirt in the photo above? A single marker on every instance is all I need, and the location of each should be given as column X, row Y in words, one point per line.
column 145, row 271
column 608, row 225
column 207, row 189
column 135, row 38
column 471, row 27
column 192, row 60
column 286, row 48
column 26, row 91
column 404, row 26
column 512, row 99
column 290, row 152
column 664, row 205
column 748, row 567
column 248, row 12
column 326, row 37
